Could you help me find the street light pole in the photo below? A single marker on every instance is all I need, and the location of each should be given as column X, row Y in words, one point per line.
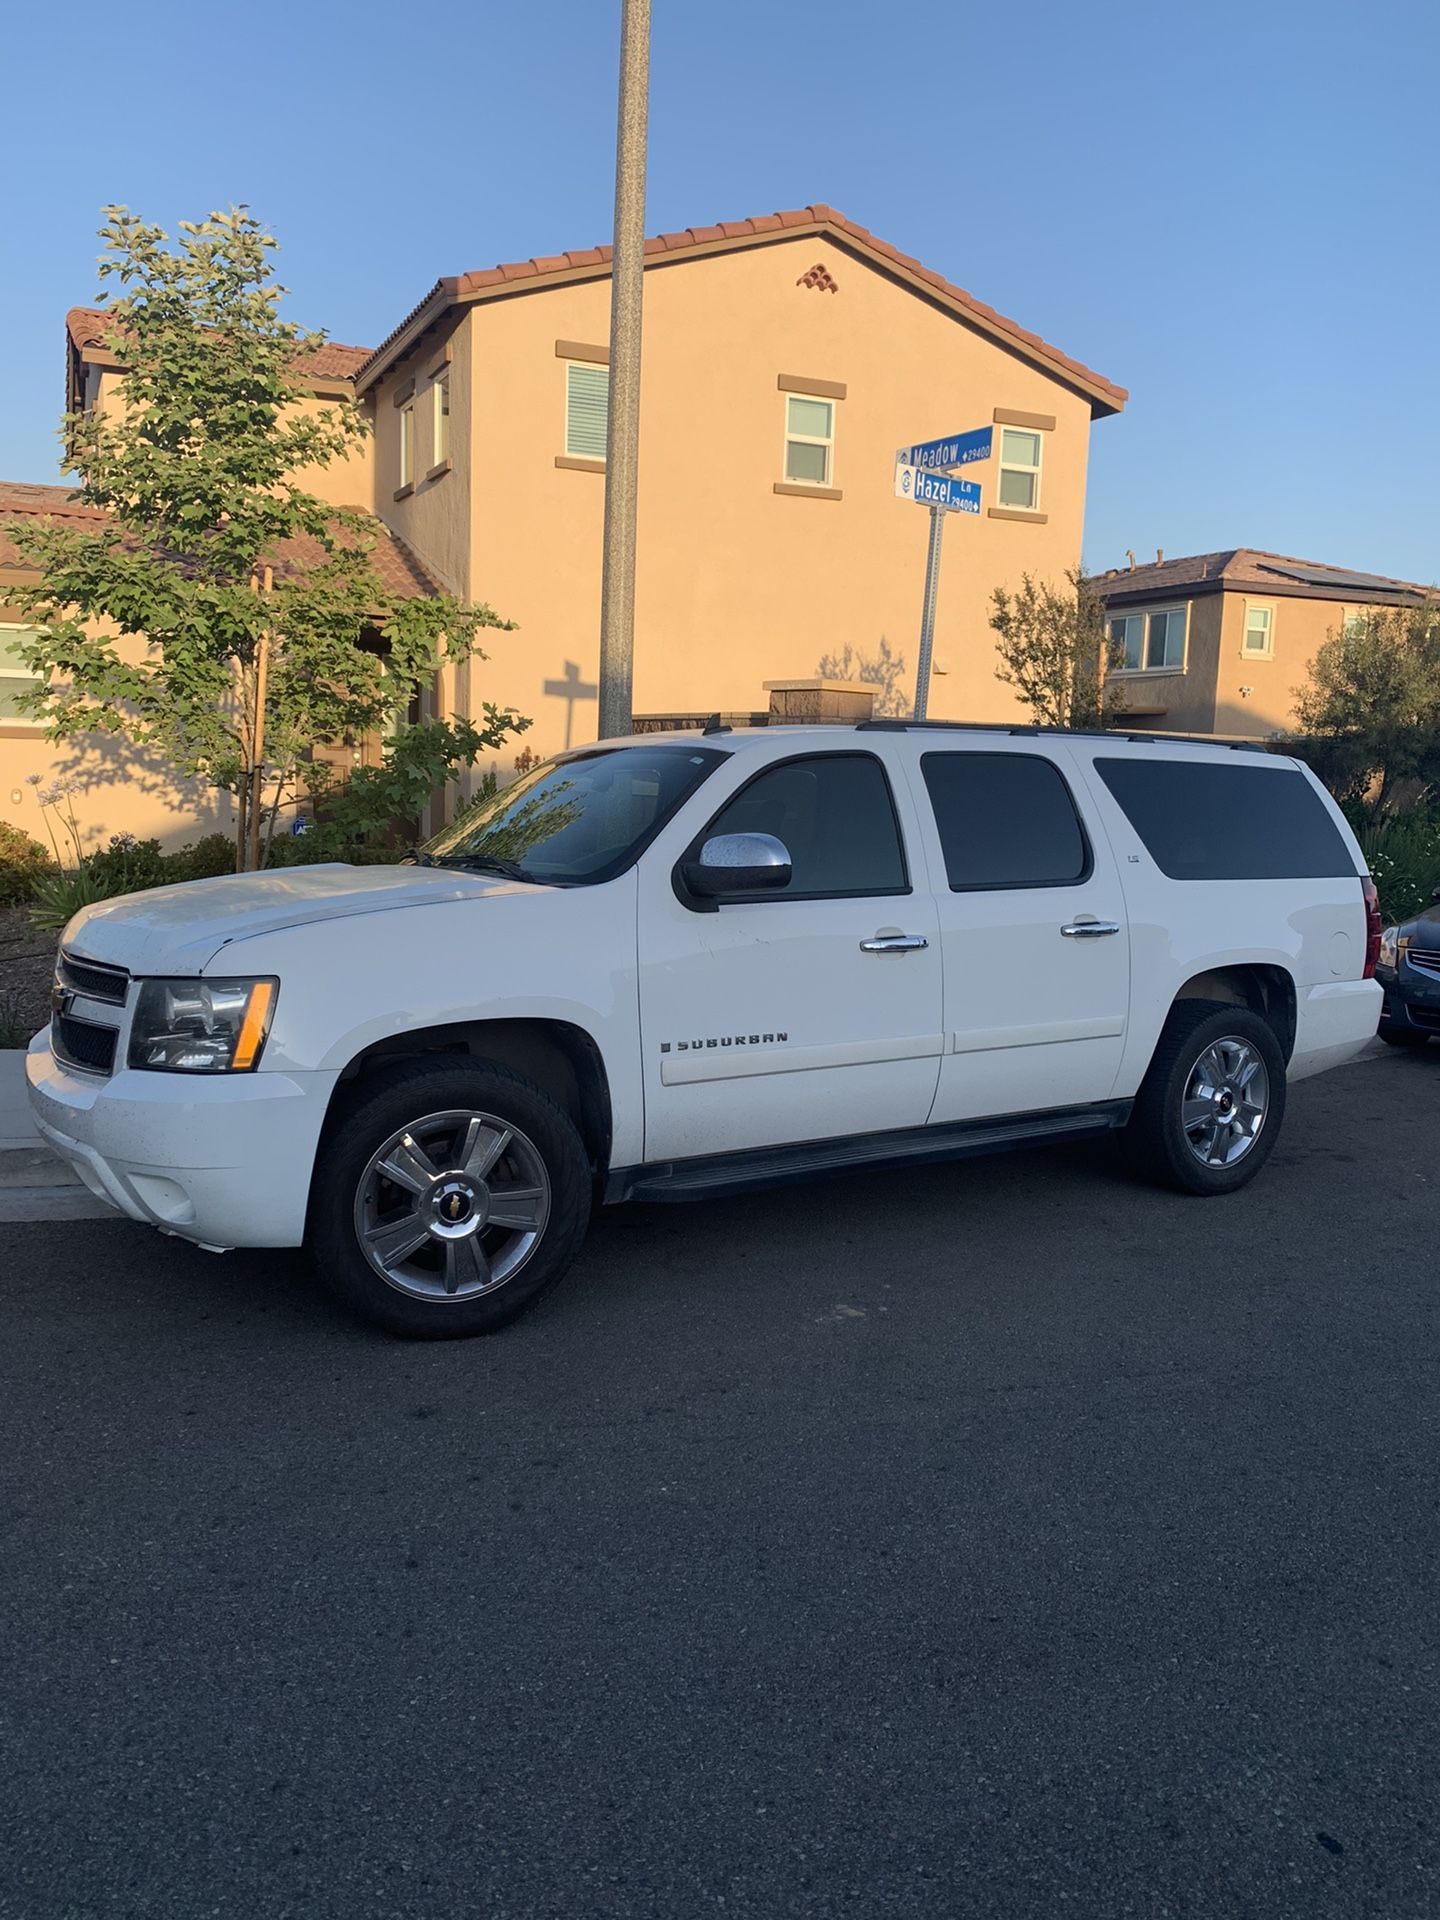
column 622, row 435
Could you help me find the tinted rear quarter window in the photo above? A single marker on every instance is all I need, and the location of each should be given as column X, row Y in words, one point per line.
column 1218, row 820
column 1005, row 820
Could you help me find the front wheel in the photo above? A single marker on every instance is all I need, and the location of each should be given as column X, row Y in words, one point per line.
column 448, row 1198
column 1208, row 1111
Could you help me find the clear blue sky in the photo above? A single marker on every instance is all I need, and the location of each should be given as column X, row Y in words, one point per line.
column 1230, row 209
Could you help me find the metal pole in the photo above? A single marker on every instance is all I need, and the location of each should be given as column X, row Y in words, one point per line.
column 622, row 435
column 927, row 611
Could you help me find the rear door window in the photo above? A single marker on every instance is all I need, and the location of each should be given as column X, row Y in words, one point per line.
column 1005, row 820
column 1217, row 820
column 834, row 813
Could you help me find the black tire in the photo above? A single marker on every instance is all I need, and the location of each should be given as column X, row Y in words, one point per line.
column 543, row 1145
column 1156, row 1140
column 1402, row 1036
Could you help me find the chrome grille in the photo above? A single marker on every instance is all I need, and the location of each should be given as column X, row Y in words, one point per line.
column 92, row 978
column 1427, row 959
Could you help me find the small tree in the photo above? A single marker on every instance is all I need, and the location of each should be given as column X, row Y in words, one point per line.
column 252, row 594
column 1370, row 711
column 1055, row 651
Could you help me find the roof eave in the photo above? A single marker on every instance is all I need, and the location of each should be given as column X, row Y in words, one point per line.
column 528, row 277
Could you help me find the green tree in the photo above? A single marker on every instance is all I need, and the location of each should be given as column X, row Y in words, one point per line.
column 253, row 596
column 1369, row 714
column 1055, row 651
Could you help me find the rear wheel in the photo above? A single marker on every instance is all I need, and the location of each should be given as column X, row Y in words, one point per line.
column 1208, row 1111
column 448, row 1199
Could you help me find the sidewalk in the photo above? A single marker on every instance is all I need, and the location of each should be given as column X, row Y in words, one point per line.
column 34, row 1183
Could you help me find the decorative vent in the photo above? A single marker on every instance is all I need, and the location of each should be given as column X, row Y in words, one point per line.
column 820, row 278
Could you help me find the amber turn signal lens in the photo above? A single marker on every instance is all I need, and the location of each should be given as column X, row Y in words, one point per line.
column 252, row 1028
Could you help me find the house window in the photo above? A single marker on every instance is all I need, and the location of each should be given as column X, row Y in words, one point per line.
column 1355, row 622
column 440, row 399
column 407, row 444
column 587, row 410
column 15, row 677
column 809, row 440
column 1151, row 642
column 1019, row 468
column 1259, row 627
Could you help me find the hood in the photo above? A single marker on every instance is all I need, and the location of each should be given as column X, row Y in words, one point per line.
column 1423, row 930
column 179, row 929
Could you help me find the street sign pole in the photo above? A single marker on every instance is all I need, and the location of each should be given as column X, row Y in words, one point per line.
column 927, row 611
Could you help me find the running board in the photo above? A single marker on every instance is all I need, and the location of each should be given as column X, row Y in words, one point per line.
column 763, row 1167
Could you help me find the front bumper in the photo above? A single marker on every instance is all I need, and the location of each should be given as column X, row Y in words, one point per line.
column 1412, row 998
column 224, row 1160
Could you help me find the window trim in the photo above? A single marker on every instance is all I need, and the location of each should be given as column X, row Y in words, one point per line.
column 1007, row 886
column 1144, row 613
column 440, row 422
column 827, row 441
column 29, row 723
column 763, row 896
column 1033, row 505
column 1354, row 617
column 1247, row 652
column 407, row 444
column 574, row 453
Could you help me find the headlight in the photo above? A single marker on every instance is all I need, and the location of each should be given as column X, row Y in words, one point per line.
column 201, row 1026
column 1389, row 950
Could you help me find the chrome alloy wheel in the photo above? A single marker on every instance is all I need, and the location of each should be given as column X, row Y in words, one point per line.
column 1226, row 1099
column 452, row 1206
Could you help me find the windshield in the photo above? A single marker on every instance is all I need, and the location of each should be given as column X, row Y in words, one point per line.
column 576, row 821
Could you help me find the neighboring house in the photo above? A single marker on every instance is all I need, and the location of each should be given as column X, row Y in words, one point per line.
column 1222, row 642
column 785, row 360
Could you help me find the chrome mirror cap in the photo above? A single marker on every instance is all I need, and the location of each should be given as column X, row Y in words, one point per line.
column 739, row 863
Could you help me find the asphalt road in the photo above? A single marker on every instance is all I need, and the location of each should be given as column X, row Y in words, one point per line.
column 1008, row 1539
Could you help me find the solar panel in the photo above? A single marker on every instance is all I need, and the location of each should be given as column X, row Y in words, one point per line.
column 1331, row 577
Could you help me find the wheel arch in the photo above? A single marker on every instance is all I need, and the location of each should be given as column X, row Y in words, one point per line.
column 558, row 1057
column 1266, row 989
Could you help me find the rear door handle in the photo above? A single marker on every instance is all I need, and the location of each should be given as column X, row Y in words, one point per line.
column 894, row 943
column 1089, row 929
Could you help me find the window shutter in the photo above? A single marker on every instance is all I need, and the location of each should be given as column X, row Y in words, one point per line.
column 587, row 402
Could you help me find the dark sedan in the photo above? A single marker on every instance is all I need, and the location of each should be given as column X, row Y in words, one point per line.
column 1409, row 971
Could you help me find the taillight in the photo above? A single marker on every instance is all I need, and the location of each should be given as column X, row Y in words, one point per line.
column 1372, row 926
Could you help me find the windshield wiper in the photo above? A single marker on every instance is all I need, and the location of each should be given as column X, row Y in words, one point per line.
column 485, row 863
column 417, row 857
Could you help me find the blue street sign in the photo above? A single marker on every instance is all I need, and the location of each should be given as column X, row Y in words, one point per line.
column 298, row 826
column 956, row 450
column 937, row 490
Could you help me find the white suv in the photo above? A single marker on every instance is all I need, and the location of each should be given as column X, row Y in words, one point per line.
column 690, row 964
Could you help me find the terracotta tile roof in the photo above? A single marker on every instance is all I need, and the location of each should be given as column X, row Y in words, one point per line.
column 399, row 568
column 88, row 326
column 466, row 287
column 1235, row 568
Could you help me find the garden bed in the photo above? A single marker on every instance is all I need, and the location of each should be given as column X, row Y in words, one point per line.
column 27, row 965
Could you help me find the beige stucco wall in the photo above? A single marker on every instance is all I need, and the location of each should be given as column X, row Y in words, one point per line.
column 1298, row 629
column 435, row 517
column 119, row 788
column 738, row 584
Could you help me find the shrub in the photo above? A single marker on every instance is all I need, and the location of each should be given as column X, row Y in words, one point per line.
column 1403, row 854
column 204, row 859
column 59, row 895
column 22, row 862
column 127, row 865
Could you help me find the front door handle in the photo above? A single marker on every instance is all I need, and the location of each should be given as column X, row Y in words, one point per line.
column 894, row 943
column 1089, row 929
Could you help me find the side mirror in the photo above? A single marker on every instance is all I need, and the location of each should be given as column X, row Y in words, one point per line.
column 738, row 863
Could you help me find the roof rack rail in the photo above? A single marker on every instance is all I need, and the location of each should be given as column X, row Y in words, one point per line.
column 1034, row 727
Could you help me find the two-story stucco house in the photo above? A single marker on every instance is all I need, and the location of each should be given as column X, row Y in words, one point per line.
column 786, row 358
column 1222, row 642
